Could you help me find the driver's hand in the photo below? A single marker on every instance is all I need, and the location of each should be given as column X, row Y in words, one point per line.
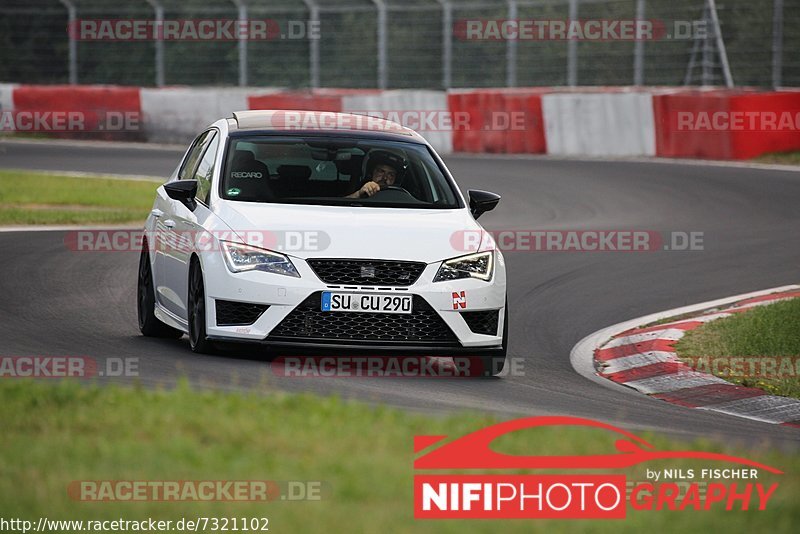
column 369, row 189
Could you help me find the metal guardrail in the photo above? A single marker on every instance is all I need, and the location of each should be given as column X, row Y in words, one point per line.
column 406, row 44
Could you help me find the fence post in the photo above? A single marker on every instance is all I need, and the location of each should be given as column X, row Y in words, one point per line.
column 159, row 24
column 511, row 49
column 572, row 48
column 777, row 44
column 72, row 14
column 447, row 43
column 313, row 46
column 242, row 15
column 723, row 53
column 383, row 73
column 638, row 47
column 707, row 52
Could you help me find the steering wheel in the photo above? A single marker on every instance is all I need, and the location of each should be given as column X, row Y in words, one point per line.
column 394, row 188
column 389, row 188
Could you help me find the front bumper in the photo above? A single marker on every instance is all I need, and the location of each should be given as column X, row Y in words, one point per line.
column 285, row 294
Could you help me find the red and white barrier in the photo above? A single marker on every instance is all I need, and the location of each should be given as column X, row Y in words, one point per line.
column 177, row 114
column 726, row 124
column 107, row 112
column 600, row 121
column 300, row 100
column 423, row 111
column 316, row 100
column 506, row 121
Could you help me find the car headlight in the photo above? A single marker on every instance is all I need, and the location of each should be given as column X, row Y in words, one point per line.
column 240, row 258
column 479, row 265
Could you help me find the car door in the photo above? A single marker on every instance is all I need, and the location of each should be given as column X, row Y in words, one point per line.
column 174, row 227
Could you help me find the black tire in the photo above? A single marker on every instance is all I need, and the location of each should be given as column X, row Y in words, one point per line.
column 149, row 324
column 198, row 341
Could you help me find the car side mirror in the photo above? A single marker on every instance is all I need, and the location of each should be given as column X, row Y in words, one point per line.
column 482, row 201
column 184, row 191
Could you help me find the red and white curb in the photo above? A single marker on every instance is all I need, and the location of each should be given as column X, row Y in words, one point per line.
column 628, row 357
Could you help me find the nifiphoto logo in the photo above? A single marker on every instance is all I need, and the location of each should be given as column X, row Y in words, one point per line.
column 440, row 494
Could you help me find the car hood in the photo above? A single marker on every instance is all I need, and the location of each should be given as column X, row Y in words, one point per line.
column 306, row 231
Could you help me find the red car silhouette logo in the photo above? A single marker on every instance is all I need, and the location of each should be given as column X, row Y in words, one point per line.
column 473, row 451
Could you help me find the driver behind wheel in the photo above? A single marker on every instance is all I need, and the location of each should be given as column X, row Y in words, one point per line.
column 384, row 169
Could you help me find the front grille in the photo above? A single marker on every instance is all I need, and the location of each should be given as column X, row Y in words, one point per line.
column 310, row 323
column 482, row 322
column 231, row 313
column 367, row 272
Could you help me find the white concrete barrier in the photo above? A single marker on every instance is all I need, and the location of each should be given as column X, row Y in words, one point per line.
column 599, row 124
column 425, row 111
column 7, row 123
column 7, row 96
column 177, row 114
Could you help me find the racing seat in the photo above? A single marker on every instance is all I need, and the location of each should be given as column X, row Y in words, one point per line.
column 349, row 175
column 250, row 177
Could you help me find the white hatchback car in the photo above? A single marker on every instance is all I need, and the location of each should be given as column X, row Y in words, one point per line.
column 315, row 230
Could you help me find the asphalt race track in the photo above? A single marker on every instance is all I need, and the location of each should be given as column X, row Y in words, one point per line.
column 58, row 302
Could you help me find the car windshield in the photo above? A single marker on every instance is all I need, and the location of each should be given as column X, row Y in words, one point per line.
column 334, row 171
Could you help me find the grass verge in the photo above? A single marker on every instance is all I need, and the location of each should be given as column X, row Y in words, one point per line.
column 782, row 158
column 43, row 198
column 53, row 434
column 759, row 348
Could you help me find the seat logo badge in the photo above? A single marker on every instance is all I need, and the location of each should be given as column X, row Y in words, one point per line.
column 367, row 271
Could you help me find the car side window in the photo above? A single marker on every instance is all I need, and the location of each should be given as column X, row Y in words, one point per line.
column 205, row 169
column 194, row 155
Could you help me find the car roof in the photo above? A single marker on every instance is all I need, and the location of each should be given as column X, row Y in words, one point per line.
column 317, row 122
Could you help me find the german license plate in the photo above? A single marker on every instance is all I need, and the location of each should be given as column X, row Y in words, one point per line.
column 333, row 301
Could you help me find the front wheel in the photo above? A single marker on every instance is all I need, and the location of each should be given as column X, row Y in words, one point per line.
column 494, row 364
column 149, row 324
column 198, row 341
